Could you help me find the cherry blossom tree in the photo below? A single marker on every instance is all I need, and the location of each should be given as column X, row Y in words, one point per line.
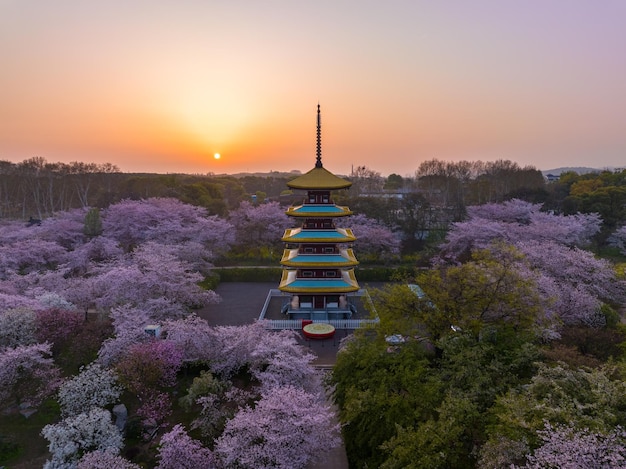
column 29, row 255
column 574, row 280
column 81, row 260
column 13, row 300
column 177, row 450
column 373, row 238
column 65, row 229
column 233, row 347
column 72, row 437
column 584, row 398
column 104, row 460
column 145, row 370
column 169, row 221
column 287, row 428
column 516, row 221
column 94, row 386
column 129, row 329
column 568, row 448
column 17, row 327
column 278, row 360
column 57, row 325
column 27, row 374
column 151, row 272
column 618, row 239
column 194, row 337
column 259, row 225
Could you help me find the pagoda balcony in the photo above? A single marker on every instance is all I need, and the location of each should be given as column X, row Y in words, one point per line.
column 302, row 235
column 344, row 283
column 318, row 210
column 297, row 258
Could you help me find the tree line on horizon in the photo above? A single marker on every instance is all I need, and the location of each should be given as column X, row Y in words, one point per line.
column 418, row 206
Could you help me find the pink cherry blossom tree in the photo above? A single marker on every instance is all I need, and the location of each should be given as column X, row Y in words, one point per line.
column 13, row 300
column 233, row 346
column 29, row 255
column 516, row 221
column 151, row 272
column 194, row 337
column 177, row 450
column 104, row 460
column 575, row 282
column 57, row 325
column 373, row 238
column 278, row 360
column 259, row 225
column 287, row 428
column 568, row 448
column 146, row 370
column 169, row 221
column 129, row 329
column 618, row 239
column 27, row 374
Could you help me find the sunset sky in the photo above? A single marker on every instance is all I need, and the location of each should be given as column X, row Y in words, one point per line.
column 161, row 86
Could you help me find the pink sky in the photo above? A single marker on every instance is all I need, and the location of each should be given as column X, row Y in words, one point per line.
column 161, row 86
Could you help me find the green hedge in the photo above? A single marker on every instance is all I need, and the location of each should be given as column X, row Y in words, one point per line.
column 273, row 274
column 250, row 274
column 383, row 274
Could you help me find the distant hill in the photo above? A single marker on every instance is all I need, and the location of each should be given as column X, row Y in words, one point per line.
column 579, row 170
column 292, row 173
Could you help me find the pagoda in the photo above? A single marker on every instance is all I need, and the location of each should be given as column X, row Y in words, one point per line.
column 318, row 261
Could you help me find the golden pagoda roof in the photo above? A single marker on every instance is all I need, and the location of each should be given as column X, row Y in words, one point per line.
column 319, row 178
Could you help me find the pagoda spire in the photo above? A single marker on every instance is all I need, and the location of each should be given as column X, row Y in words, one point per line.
column 318, row 163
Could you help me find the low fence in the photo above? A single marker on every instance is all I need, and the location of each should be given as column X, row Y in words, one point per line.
column 296, row 324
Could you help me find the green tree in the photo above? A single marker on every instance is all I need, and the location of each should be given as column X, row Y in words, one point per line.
column 582, row 398
column 93, row 223
column 487, row 293
column 378, row 389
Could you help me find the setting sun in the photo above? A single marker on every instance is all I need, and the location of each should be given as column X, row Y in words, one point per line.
column 217, row 156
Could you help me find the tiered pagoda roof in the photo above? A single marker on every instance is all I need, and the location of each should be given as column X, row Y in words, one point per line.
column 301, row 235
column 344, row 284
column 318, row 259
column 294, row 258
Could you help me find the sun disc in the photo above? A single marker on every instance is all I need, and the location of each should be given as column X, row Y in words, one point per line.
column 217, row 156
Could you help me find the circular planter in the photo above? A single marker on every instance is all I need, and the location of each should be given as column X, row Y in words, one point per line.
column 318, row 330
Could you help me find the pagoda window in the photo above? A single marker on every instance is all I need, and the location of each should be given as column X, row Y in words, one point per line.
column 306, row 302
column 307, row 273
column 330, row 273
column 328, row 224
column 325, row 198
column 311, row 199
column 332, row 301
column 309, row 250
column 329, row 250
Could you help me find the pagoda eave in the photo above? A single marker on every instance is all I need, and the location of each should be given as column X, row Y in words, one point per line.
column 304, row 211
column 292, row 258
column 298, row 235
column 345, row 284
column 313, row 290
